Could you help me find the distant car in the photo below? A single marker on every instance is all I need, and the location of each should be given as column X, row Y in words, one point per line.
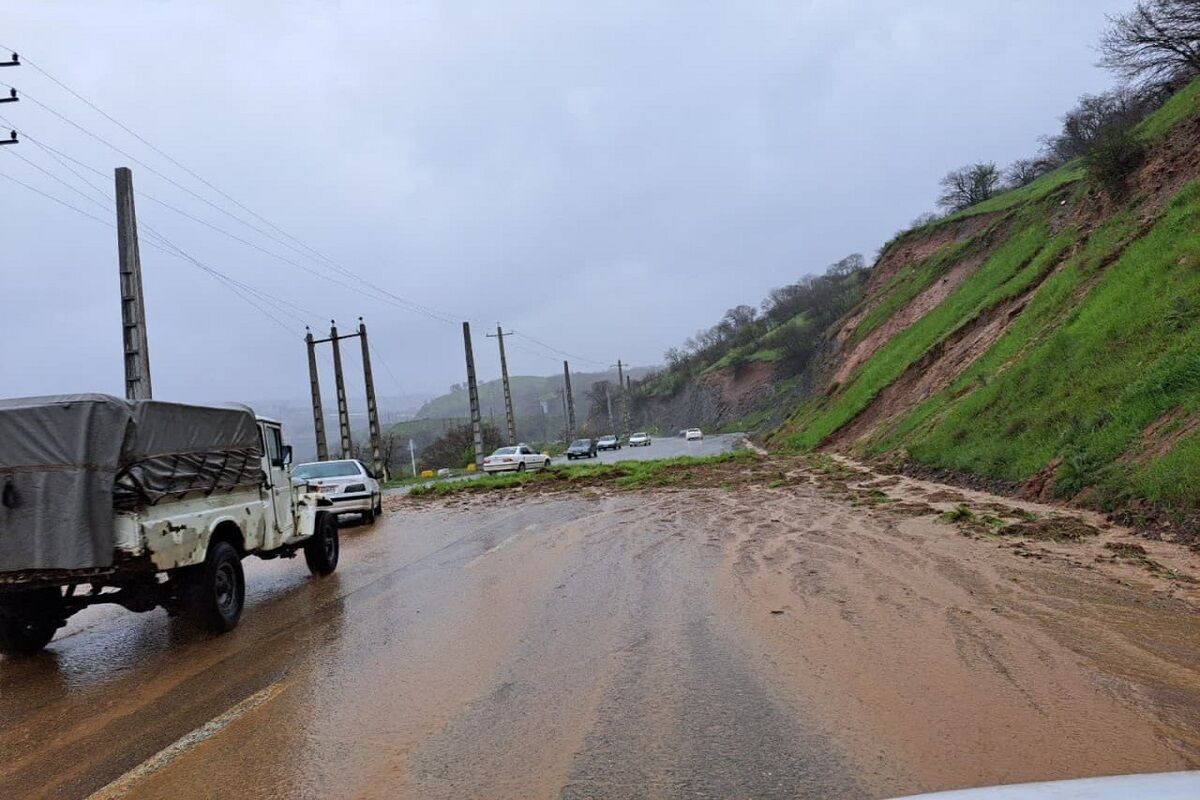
column 581, row 448
column 517, row 458
column 347, row 483
column 639, row 439
column 608, row 443
column 693, row 434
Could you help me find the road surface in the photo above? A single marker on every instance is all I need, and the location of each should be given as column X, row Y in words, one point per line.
column 781, row 640
column 664, row 447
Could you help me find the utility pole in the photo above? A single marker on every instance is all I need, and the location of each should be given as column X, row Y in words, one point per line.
column 624, row 397
column 570, row 402
column 412, row 455
column 314, row 382
column 473, row 396
column 340, row 382
column 133, row 304
column 508, row 404
column 372, row 408
column 608, row 402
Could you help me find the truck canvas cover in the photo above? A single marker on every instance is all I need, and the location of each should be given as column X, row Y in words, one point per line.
column 67, row 462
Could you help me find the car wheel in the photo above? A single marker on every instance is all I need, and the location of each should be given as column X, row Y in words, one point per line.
column 379, row 506
column 322, row 548
column 521, row 467
column 29, row 620
column 546, row 464
column 218, row 589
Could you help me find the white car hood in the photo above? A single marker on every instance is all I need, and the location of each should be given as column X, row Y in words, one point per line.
column 1161, row 786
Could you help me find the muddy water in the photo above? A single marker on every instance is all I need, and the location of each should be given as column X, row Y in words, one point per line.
column 700, row 643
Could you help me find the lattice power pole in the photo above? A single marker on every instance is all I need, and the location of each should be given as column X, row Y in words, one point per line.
column 473, row 396
column 508, row 403
column 314, row 381
column 133, row 304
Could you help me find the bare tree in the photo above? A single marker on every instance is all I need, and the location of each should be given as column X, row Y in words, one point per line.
column 1025, row 171
column 1094, row 114
column 1155, row 43
column 969, row 185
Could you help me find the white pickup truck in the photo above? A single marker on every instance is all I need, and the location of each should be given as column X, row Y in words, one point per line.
column 145, row 504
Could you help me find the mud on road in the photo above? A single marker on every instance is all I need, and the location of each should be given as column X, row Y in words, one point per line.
column 765, row 628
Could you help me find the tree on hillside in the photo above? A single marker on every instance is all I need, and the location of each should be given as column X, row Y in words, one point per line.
column 1025, row 171
column 1095, row 114
column 1156, row 43
column 969, row 185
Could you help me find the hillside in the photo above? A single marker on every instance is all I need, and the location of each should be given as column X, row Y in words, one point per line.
column 1047, row 340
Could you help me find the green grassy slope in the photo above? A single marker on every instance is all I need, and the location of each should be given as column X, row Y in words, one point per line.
column 1095, row 377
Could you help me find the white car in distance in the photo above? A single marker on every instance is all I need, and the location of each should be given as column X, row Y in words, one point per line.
column 517, row 458
column 694, row 435
column 639, row 439
column 347, row 483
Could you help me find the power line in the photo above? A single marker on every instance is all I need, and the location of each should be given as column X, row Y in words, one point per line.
column 304, row 249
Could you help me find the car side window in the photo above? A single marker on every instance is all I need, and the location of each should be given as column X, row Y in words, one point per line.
column 274, row 447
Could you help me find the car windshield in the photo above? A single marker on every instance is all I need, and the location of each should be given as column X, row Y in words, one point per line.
column 642, row 435
column 326, row 469
column 506, row 451
column 581, row 443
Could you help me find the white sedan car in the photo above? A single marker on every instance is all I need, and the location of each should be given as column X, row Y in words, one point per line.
column 517, row 458
column 347, row 483
column 693, row 434
column 639, row 439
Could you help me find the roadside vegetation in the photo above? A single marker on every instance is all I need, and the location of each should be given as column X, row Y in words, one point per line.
column 657, row 473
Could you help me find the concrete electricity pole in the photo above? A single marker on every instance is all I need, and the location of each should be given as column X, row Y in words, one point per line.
column 624, row 398
column 473, row 396
column 608, row 402
column 133, row 304
column 340, row 382
column 314, row 381
column 372, row 408
column 570, row 402
column 508, row 404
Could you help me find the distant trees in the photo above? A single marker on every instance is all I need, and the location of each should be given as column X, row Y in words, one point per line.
column 456, row 447
column 791, row 319
column 969, row 185
column 1155, row 44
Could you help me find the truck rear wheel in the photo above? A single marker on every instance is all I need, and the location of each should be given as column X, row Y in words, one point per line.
column 218, row 590
column 321, row 550
column 29, row 620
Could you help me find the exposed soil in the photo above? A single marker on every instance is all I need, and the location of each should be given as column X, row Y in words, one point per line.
column 920, row 305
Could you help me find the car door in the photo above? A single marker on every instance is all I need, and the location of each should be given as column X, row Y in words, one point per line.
column 279, row 480
column 528, row 456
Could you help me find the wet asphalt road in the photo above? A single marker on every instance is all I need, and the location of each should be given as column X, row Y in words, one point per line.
column 664, row 447
column 567, row 648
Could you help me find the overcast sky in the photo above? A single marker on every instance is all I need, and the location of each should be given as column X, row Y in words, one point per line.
column 605, row 177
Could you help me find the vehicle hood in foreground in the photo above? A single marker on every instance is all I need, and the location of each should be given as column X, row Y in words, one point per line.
column 1162, row 786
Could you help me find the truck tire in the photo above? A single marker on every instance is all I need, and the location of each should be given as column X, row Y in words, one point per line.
column 322, row 548
column 217, row 590
column 29, row 620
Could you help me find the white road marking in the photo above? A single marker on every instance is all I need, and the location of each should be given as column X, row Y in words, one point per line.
column 122, row 785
